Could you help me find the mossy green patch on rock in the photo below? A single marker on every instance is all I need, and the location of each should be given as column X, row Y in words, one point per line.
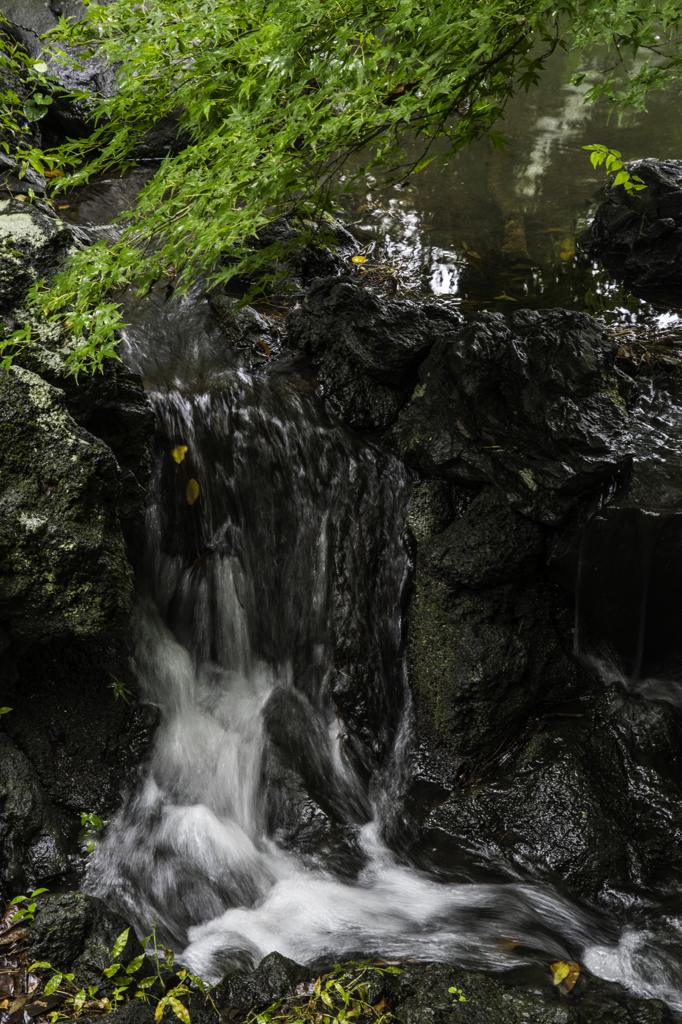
column 33, row 245
column 484, row 649
column 63, row 567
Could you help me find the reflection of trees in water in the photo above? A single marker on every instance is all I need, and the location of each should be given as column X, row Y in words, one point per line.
column 489, row 224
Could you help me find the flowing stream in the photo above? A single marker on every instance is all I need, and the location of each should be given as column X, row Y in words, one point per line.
column 275, row 569
column 237, row 643
column 294, row 542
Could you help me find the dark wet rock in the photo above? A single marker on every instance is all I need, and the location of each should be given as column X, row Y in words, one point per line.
column 67, row 494
column 366, row 350
column 247, row 333
column 276, row 977
column 423, row 998
column 489, row 544
column 33, row 848
column 323, row 254
column 430, row 509
column 82, row 742
column 638, row 235
column 593, row 802
column 163, row 137
column 654, row 483
column 419, row 994
column 11, row 181
column 482, row 661
column 63, row 566
column 76, row 933
column 297, row 822
column 112, row 406
column 530, row 403
column 486, row 633
column 31, row 19
column 137, row 1012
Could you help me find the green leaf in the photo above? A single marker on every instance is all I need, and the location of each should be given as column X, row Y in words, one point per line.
column 147, row 982
column 135, row 964
column 179, row 1010
column 53, row 984
column 120, row 944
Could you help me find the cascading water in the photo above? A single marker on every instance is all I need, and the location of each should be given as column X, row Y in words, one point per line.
column 267, row 818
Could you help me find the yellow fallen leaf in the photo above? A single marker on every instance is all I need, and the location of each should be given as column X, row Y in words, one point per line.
column 179, row 452
column 476, row 255
column 509, row 298
column 567, row 248
column 358, row 259
column 192, row 492
column 565, row 973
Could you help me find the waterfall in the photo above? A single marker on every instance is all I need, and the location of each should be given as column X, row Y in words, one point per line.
column 268, row 632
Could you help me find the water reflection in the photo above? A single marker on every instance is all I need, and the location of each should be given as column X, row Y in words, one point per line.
column 492, row 230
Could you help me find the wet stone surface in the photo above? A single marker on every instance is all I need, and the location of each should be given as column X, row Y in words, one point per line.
column 638, row 235
column 366, row 351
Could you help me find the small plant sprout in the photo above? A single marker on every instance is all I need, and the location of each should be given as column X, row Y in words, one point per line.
column 127, row 985
column 26, row 913
column 457, row 994
column 599, row 154
column 120, row 690
column 91, row 830
column 342, row 996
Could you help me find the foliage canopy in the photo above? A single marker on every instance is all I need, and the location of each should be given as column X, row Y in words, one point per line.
column 273, row 97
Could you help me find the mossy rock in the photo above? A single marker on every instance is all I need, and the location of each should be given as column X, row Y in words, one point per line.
column 63, row 565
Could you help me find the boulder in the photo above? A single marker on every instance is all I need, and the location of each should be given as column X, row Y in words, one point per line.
column 486, row 632
column 82, row 742
column 33, row 848
column 490, row 543
column 593, row 803
column 276, row 977
column 638, row 234
column 76, row 933
column 531, row 403
column 366, row 350
column 63, row 565
column 247, row 333
column 424, row 997
column 34, row 244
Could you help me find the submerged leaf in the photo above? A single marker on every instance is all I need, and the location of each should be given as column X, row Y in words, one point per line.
column 192, row 492
column 179, row 452
column 565, row 973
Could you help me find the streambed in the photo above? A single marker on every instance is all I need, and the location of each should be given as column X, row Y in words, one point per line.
column 282, row 803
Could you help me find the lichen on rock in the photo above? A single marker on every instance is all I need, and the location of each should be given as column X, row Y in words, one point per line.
column 63, row 565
